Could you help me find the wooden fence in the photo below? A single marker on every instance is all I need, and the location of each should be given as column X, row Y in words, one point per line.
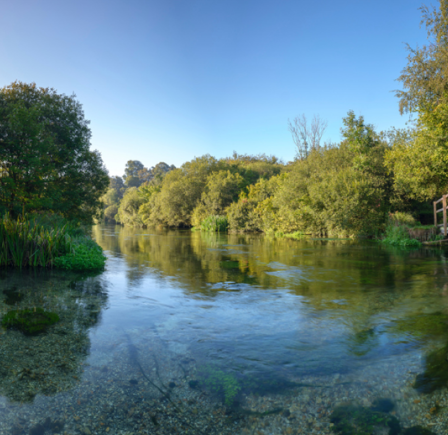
column 443, row 209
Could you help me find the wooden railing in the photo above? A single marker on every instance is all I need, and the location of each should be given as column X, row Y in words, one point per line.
column 443, row 209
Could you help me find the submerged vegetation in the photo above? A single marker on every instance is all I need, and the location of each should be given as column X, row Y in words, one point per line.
column 29, row 321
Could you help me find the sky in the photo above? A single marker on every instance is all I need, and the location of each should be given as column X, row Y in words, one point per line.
column 170, row 80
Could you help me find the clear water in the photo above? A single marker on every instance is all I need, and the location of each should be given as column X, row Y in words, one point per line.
column 203, row 333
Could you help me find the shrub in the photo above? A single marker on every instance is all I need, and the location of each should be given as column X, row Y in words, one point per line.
column 215, row 224
column 401, row 218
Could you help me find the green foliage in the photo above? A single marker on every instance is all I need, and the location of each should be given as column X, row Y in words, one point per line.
column 402, row 218
column 215, row 224
column 420, row 163
column 221, row 189
column 46, row 162
column 84, row 254
column 110, row 213
column 132, row 169
column 398, row 235
column 129, row 207
column 29, row 321
column 46, row 242
column 25, row 243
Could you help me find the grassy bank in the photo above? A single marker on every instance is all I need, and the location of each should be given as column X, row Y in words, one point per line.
column 47, row 241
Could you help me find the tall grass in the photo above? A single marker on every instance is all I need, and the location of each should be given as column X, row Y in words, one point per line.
column 47, row 242
column 24, row 243
column 214, row 224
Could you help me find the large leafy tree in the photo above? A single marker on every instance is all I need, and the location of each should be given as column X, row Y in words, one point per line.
column 45, row 157
column 420, row 161
column 131, row 173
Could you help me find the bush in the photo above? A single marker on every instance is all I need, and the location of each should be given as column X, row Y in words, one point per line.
column 401, row 218
column 215, row 224
column 84, row 255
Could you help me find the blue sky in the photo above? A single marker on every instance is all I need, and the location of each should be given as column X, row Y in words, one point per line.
column 168, row 80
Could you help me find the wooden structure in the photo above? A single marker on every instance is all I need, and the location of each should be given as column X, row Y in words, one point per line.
column 443, row 209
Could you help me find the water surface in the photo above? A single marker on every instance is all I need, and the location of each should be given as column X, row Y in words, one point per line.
column 211, row 333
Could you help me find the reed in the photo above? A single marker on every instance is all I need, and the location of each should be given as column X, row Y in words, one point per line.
column 214, row 223
column 25, row 243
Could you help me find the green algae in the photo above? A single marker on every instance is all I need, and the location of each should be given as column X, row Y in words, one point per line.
column 357, row 420
column 435, row 375
column 29, row 321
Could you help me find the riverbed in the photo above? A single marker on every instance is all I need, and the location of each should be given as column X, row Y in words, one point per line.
column 189, row 332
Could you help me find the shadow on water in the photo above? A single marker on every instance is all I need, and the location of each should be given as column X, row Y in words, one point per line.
column 51, row 361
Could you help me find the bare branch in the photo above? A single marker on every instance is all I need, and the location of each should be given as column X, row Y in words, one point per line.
column 307, row 137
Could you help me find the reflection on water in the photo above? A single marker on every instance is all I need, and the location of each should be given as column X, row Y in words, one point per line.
column 209, row 333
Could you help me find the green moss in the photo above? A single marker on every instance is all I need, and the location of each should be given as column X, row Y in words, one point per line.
column 29, row 321
column 356, row 420
column 422, row 325
column 435, row 375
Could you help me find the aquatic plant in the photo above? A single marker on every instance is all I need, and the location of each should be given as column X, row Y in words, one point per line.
column 29, row 321
column 84, row 255
column 24, row 243
column 215, row 223
column 27, row 242
column 398, row 235
column 220, row 383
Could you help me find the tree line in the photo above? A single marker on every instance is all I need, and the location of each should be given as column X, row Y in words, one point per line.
column 346, row 188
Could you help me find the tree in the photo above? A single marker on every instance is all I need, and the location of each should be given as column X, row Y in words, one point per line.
column 420, row 161
column 307, row 137
column 117, row 184
column 45, row 154
column 425, row 78
column 131, row 173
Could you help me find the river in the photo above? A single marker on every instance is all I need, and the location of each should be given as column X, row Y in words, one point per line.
column 186, row 332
